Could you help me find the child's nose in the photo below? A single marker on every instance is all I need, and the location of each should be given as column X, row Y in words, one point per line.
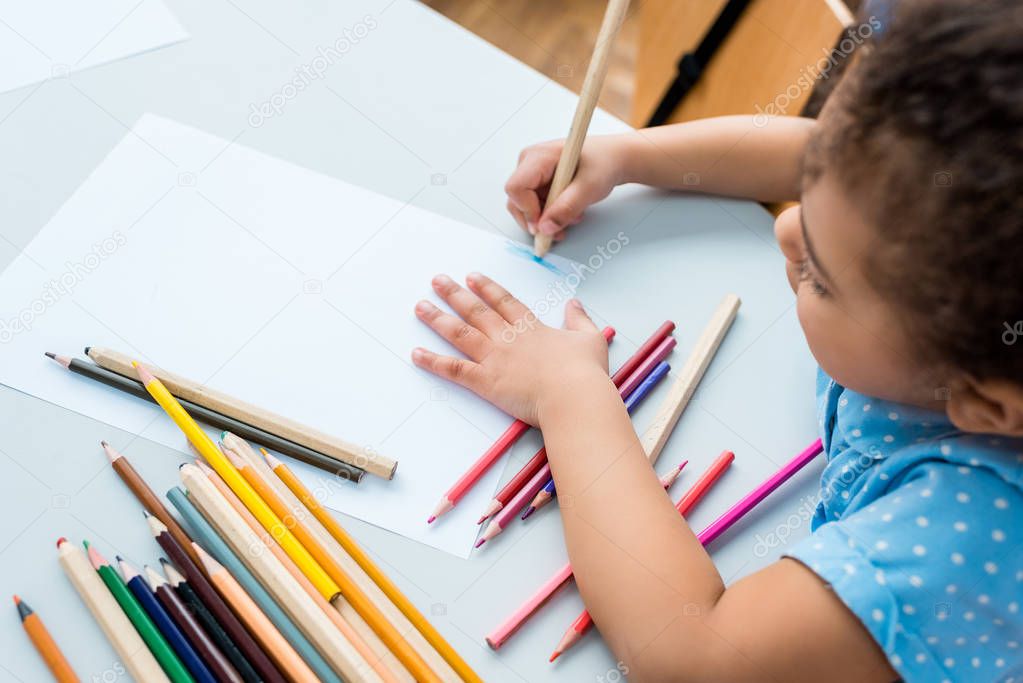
column 789, row 234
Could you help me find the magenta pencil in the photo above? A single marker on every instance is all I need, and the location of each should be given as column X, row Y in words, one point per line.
column 508, row 512
column 662, row 351
column 751, row 499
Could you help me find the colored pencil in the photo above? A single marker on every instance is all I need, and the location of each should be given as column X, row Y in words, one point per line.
column 489, row 457
column 154, row 640
column 149, row 500
column 371, row 570
column 168, row 629
column 344, row 618
column 206, row 535
column 352, row 592
column 253, row 657
column 716, row 528
column 614, row 16
column 44, row 644
column 217, row 662
column 326, row 444
column 536, row 462
column 646, row 368
column 656, row 436
column 659, row 372
column 513, row 623
column 299, row 607
column 211, row 417
column 269, row 637
column 209, row 451
column 131, row 649
column 533, row 486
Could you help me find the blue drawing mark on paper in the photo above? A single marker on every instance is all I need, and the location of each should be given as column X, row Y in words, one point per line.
column 524, row 251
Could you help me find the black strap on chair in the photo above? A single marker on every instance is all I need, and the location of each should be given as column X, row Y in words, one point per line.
column 692, row 64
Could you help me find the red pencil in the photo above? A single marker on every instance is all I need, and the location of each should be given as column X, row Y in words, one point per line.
column 584, row 622
column 489, row 457
column 534, row 464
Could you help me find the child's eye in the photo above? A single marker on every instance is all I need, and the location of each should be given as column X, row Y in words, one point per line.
column 805, row 275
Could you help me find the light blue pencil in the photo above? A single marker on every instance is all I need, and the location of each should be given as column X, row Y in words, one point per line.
column 209, row 539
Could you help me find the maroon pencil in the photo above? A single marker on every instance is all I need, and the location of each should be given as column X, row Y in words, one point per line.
column 198, row 581
column 210, row 654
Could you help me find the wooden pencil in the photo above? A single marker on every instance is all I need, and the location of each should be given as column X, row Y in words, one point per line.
column 154, row 640
column 217, row 662
column 351, row 591
column 168, row 629
column 592, row 83
column 279, row 444
column 253, row 655
column 127, row 642
column 379, row 578
column 269, row 637
column 149, row 500
column 213, row 544
column 656, row 435
column 288, row 594
column 344, row 618
column 44, row 644
column 363, row 458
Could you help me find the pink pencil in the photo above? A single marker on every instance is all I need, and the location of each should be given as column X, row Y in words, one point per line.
column 489, row 457
column 508, row 513
column 646, row 367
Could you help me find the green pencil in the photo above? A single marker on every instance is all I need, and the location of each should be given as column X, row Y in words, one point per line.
column 204, row 533
column 154, row 640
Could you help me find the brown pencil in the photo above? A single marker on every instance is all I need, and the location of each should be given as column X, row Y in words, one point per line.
column 198, row 581
column 45, row 644
column 150, row 503
column 217, row 662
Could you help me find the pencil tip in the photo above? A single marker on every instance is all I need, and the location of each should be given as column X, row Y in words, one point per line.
column 61, row 541
column 134, row 363
column 85, row 543
column 50, row 354
column 17, row 600
column 87, row 348
column 480, row 542
column 554, row 656
column 431, row 519
column 104, row 444
column 530, row 510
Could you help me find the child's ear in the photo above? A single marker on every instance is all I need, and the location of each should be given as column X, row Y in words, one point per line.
column 992, row 406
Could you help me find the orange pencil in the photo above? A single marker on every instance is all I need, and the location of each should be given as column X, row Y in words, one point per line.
column 45, row 644
column 279, row 649
column 351, row 592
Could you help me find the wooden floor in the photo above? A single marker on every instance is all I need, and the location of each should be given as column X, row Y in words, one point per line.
column 555, row 37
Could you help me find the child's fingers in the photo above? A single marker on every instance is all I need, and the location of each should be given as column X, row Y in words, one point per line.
column 534, row 172
column 497, row 297
column 566, row 210
column 519, row 217
column 469, row 306
column 458, row 333
column 576, row 317
column 458, row 370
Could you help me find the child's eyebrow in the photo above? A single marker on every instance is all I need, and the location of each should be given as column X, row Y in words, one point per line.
column 811, row 254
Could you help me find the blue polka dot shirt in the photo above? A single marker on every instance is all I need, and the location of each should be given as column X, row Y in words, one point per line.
column 919, row 531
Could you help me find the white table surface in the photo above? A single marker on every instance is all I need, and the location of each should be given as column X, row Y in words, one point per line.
column 423, row 111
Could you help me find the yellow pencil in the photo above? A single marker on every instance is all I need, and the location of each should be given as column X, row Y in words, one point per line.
column 208, row 450
column 350, row 546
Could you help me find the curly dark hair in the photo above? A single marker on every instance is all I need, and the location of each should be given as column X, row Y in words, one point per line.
column 926, row 132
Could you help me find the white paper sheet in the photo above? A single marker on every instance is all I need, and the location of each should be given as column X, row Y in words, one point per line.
column 290, row 289
column 52, row 38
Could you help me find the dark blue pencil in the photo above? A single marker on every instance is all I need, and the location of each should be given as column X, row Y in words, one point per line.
column 144, row 594
column 660, row 372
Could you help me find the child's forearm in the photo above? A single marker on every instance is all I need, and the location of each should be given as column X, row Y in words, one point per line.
column 638, row 565
column 735, row 156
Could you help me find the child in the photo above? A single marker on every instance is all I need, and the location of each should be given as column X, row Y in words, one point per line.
column 904, row 255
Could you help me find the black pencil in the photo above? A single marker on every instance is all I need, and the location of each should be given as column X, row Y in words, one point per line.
column 244, row 430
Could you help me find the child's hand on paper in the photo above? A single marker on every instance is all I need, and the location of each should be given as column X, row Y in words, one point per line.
column 600, row 170
column 513, row 360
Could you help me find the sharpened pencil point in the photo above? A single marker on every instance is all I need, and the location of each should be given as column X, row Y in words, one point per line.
column 17, row 600
column 61, row 541
column 530, row 510
column 431, row 519
column 554, row 656
column 480, row 542
column 87, row 350
column 50, row 354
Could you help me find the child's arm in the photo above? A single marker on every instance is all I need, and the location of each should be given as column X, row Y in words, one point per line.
column 736, row 156
column 652, row 589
